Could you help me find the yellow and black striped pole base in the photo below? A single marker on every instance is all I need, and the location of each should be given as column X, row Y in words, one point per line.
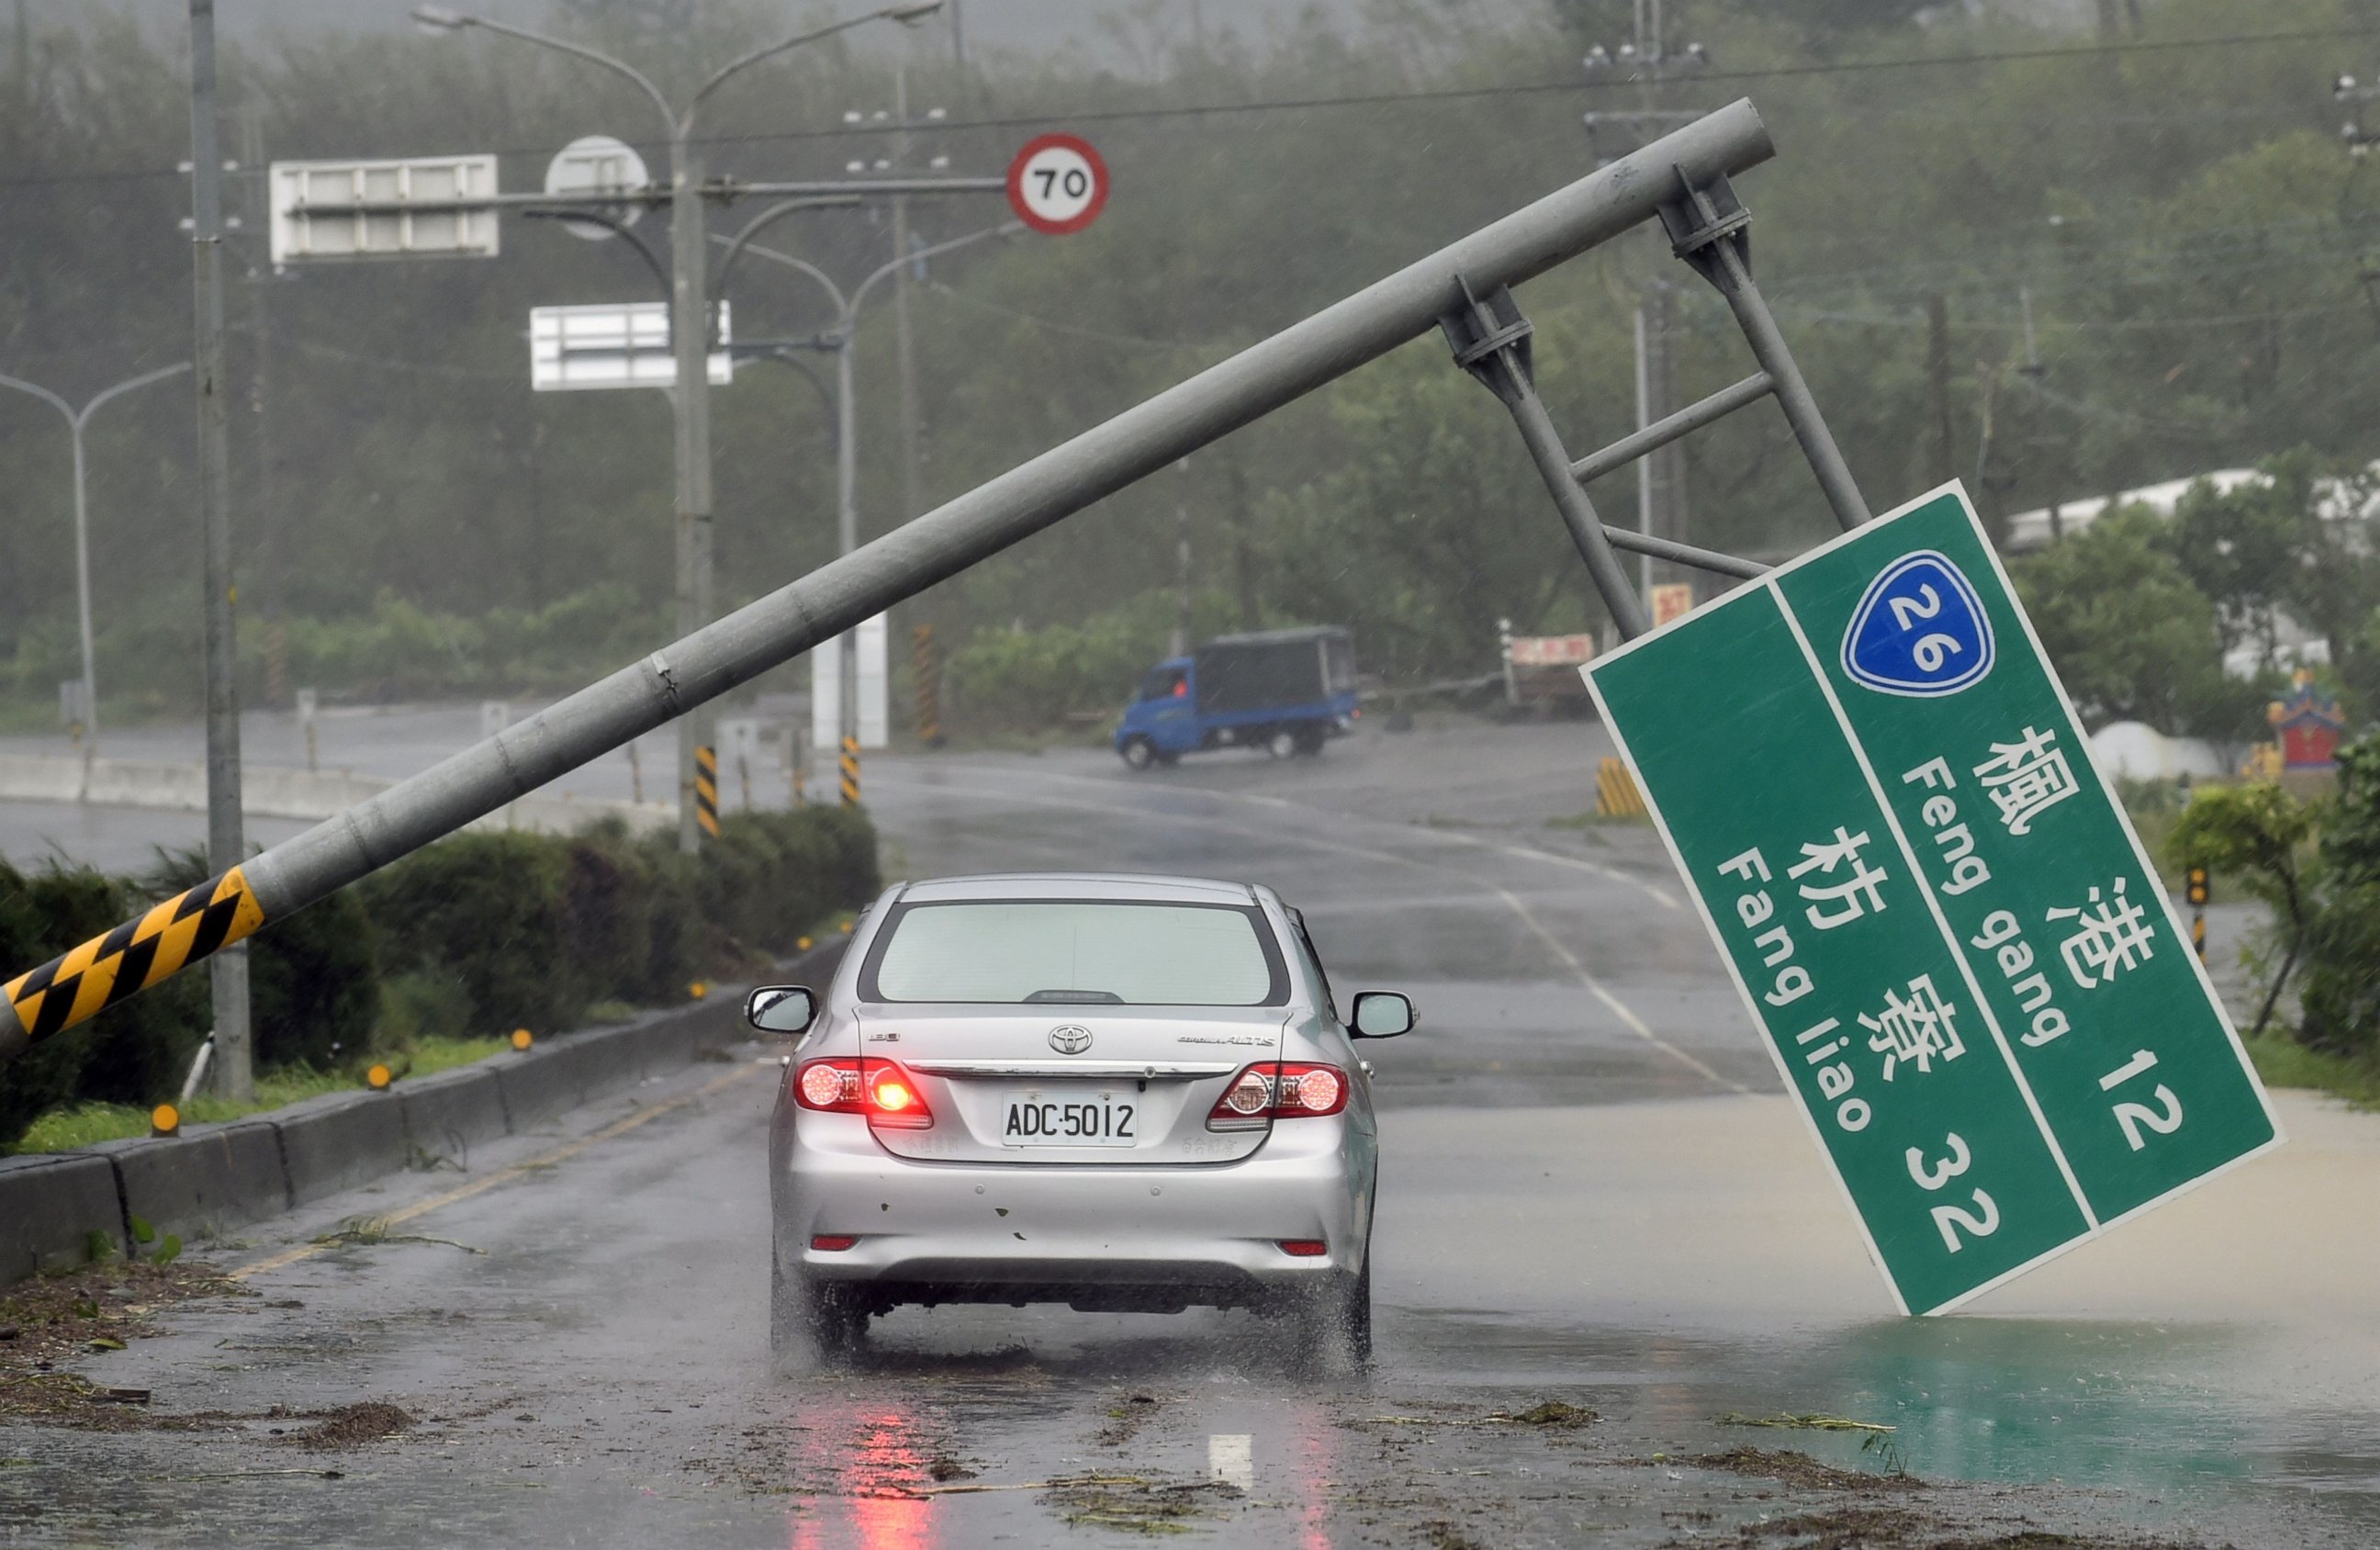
column 705, row 790
column 134, row 956
column 928, row 662
column 851, row 772
column 1615, row 793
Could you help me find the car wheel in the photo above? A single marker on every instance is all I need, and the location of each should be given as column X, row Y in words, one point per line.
column 1167, row 758
column 810, row 1322
column 1281, row 745
column 1333, row 1325
column 1310, row 740
column 1138, row 752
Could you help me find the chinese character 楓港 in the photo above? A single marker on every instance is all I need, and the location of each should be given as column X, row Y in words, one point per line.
column 2108, row 934
column 2025, row 777
column 1913, row 1030
column 1846, row 894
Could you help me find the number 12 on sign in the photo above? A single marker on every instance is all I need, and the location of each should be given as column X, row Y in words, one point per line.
column 1956, row 949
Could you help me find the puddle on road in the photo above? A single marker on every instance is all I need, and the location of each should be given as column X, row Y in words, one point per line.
column 2142, row 1409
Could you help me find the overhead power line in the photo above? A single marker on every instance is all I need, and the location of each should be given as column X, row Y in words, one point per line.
column 1434, row 95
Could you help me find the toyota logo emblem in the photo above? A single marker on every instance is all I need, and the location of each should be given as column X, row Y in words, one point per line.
column 1070, row 1040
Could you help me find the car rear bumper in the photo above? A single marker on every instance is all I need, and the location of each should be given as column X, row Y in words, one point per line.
column 1159, row 1236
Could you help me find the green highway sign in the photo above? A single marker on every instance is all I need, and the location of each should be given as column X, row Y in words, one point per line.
column 1961, row 960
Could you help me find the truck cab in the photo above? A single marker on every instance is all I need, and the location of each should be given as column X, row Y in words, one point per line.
column 1287, row 692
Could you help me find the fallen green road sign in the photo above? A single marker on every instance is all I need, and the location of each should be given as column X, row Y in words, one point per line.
column 1964, row 964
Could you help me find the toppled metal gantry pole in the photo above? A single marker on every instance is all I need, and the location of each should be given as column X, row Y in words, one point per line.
column 834, row 599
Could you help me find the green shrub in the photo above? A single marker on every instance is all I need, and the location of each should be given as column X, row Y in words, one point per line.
column 488, row 909
column 2341, row 995
column 607, row 914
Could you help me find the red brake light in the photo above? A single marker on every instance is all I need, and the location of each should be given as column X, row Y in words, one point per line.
column 880, row 1089
column 1279, row 1090
column 1297, row 1248
column 835, row 1242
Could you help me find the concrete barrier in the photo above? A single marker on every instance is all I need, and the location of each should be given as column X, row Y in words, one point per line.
column 50, row 1208
column 336, row 1142
column 215, row 1176
column 448, row 1114
column 267, row 791
column 207, row 1179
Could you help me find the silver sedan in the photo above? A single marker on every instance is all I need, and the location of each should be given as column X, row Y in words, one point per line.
column 1108, row 1091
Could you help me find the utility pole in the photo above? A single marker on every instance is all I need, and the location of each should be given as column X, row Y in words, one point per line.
column 234, row 1059
column 691, row 404
column 689, row 329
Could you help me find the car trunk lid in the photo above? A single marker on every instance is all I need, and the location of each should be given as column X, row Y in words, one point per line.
column 1104, row 1085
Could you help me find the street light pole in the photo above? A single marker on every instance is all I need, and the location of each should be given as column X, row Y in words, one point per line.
column 846, row 427
column 76, row 419
column 689, row 331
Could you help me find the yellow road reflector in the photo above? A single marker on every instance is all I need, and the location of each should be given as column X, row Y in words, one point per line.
column 134, row 956
column 802, row 944
column 378, row 1078
column 164, row 1120
column 523, row 1038
column 698, row 990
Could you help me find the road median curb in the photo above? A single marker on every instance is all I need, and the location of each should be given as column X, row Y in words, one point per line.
column 212, row 1177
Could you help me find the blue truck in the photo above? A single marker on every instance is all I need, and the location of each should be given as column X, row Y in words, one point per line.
column 1285, row 691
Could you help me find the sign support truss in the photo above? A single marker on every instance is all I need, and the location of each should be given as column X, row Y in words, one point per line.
column 1710, row 229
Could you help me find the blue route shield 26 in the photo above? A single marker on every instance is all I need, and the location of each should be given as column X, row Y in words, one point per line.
column 1920, row 630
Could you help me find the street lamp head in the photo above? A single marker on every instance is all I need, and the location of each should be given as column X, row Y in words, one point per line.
column 436, row 19
column 911, row 13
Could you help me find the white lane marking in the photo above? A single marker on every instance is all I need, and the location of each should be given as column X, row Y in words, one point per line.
column 1661, row 896
column 1231, row 1458
column 1593, row 986
column 1619, row 1008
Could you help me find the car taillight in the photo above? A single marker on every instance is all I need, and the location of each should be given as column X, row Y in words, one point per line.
column 1279, row 1090
column 880, row 1089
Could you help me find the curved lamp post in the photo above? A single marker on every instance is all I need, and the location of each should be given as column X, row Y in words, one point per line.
column 76, row 419
column 689, row 317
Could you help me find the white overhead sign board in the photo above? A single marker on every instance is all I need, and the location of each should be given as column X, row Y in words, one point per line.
column 315, row 215
column 611, row 344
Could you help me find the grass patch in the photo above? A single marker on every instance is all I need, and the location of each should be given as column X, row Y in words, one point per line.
column 2283, row 1062
column 86, row 1124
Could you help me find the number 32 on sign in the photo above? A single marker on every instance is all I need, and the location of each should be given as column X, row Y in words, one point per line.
column 1969, row 974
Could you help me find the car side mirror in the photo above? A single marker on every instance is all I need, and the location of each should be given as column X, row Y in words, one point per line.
column 1382, row 1014
column 781, row 1009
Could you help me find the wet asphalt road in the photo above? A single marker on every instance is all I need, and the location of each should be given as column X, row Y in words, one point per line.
column 1592, row 1193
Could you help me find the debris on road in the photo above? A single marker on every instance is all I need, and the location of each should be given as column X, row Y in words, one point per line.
column 1805, row 1422
column 1800, row 1470
column 352, row 1425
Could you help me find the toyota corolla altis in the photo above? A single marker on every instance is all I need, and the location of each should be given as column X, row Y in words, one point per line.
column 1112, row 1092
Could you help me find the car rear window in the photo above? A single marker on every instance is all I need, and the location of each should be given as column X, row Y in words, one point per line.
column 1076, row 951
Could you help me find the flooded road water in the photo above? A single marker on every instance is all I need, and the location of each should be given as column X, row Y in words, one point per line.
column 1594, row 1199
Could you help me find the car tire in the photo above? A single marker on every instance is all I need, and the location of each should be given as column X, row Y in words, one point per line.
column 1311, row 739
column 1169, row 757
column 811, row 1322
column 1333, row 1325
column 1282, row 743
column 1138, row 752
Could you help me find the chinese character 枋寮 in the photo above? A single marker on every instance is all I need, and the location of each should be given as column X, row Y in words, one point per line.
column 2025, row 777
column 2108, row 934
column 1847, row 893
column 1913, row 1030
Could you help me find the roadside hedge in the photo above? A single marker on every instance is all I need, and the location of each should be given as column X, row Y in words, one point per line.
column 475, row 935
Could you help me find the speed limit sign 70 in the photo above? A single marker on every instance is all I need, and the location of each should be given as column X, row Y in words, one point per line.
column 1058, row 184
